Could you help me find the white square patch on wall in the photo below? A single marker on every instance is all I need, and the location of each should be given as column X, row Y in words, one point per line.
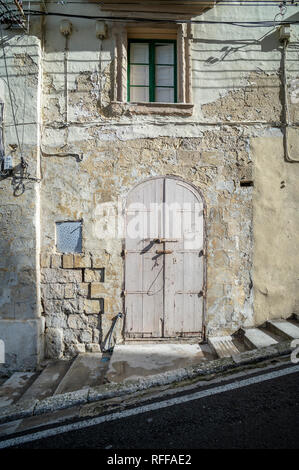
column 69, row 237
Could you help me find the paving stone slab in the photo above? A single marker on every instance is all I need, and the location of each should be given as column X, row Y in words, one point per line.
column 284, row 328
column 47, row 382
column 86, row 371
column 130, row 361
column 256, row 338
column 223, row 346
column 13, row 387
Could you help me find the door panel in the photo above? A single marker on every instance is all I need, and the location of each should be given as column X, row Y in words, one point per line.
column 183, row 312
column 143, row 269
column 164, row 291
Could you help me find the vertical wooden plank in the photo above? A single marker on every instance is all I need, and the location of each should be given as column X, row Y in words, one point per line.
column 172, row 198
column 144, row 269
column 184, row 268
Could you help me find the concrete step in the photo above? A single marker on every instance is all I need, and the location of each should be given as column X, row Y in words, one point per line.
column 257, row 338
column 223, row 346
column 13, row 388
column 283, row 328
column 87, row 370
column 46, row 383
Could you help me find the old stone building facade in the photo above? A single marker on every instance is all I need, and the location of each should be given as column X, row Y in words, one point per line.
column 226, row 133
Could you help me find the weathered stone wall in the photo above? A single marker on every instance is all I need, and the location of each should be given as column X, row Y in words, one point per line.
column 91, row 157
column 21, row 324
column 109, row 170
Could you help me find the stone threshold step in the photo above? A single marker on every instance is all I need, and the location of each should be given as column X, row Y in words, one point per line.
column 46, row 383
column 87, row 370
column 257, row 338
column 223, row 346
column 283, row 328
column 12, row 389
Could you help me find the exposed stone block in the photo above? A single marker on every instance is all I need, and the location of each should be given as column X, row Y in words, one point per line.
column 93, row 347
column 94, row 275
column 68, row 261
column 82, row 261
column 73, row 306
column 76, row 322
column 91, row 306
column 85, row 336
column 74, row 349
column 45, row 260
column 56, row 320
column 208, row 158
column 70, row 336
column 52, row 306
column 52, row 291
column 100, row 261
column 54, row 343
column 188, row 157
column 246, row 173
column 70, row 291
column 56, row 261
column 83, row 289
column 112, row 305
column 93, row 321
column 97, row 289
column 96, row 336
column 60, row 275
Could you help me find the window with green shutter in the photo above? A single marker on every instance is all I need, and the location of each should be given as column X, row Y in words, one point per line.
column 152, row 71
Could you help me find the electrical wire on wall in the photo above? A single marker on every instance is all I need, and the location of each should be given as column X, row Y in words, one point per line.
column 277, row 21
column 11, row 17
column 19, row 173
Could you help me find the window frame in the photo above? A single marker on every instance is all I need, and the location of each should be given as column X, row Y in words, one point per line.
column 152, row 66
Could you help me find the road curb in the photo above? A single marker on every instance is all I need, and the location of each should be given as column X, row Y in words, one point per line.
column 67, row 400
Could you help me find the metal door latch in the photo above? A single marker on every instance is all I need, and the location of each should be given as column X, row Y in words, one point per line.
column 165, row 240
column 164, row 252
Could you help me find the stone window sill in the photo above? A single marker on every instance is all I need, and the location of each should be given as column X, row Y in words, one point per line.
column 163, row 109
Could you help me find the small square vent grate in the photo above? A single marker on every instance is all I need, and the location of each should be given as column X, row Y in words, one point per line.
column 69, row 237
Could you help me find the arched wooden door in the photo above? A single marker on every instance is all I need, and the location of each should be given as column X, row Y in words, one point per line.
column 164, row 260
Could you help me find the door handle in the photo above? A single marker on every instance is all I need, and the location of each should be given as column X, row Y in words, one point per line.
column 165, row 240
column 164, row 252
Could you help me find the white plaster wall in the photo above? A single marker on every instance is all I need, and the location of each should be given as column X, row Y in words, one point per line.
column 19, row 213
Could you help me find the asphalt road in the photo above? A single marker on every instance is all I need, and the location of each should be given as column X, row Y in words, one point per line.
column 263, row 415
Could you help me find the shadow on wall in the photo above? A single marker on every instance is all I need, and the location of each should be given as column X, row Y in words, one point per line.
column 268, row 42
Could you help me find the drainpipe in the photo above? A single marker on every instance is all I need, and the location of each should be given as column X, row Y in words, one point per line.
column 285, row 37
column 66, row 29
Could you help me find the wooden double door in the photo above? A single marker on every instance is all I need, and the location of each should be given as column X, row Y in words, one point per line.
column 164, row 260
